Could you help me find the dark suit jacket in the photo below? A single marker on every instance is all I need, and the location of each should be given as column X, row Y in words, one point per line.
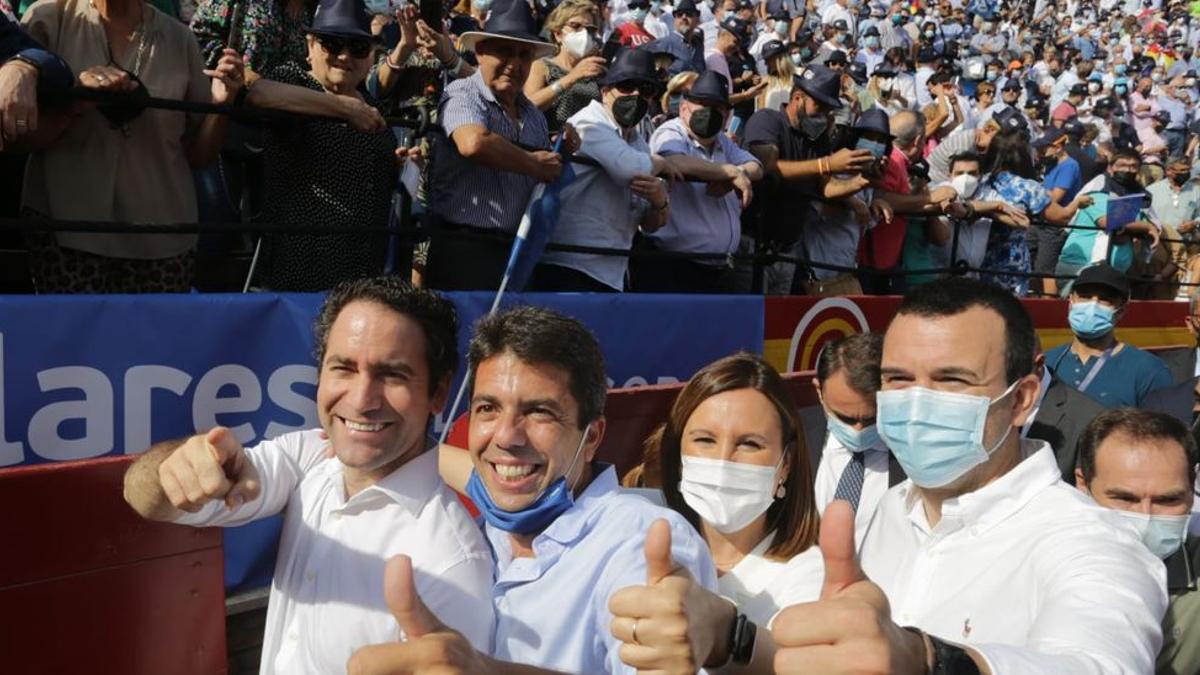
column 1181, row 362
column 1060, row 421
column 1176, row 400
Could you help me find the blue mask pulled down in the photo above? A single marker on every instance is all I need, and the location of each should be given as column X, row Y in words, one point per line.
column 1091, row 320
column 554, row 501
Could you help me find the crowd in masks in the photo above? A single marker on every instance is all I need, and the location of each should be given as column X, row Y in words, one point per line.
column 720, row 146
column 962, row 502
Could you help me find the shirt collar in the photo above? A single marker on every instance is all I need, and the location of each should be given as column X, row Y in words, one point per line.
column 995, row 502
column 410, row 486
column 567, row 527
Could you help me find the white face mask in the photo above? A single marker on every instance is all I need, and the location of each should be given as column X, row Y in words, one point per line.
column 965, row 185
column 1162, row 534
column 578, row 44
column 727, row 495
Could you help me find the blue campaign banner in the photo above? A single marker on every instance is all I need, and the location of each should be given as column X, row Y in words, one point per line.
column 89, row 376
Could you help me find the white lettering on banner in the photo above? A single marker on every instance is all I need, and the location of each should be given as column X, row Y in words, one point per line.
column 207, row 401
column 279, row 390
column 95, row 409
column 11, row 452
column 225, row 389
column 140, row 383
column 639, row 381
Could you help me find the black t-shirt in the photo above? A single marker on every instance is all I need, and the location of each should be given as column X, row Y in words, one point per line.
column 739, row 64
column 785, row 206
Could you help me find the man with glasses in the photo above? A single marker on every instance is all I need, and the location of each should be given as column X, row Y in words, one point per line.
column 686, row 42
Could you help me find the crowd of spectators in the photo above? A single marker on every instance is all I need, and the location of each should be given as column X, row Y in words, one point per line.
column 725, row 146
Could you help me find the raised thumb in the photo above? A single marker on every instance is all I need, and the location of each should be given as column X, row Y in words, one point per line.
column 837, row 549
column 400, row 590
column 658, row 552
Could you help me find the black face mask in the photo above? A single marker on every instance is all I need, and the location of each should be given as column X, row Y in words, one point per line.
column 1179, row 179
column 1049, row 162
column 1126, row 179
column 629, row 110
column 706, row 122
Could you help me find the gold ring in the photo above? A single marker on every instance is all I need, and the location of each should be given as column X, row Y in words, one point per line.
column 635, row 640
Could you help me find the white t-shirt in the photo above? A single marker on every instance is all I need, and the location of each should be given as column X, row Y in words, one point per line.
column 1027, row 570
column 327, row 593
column 760, row 587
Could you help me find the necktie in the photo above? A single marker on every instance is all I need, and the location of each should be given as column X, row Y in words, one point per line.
column 850, row 485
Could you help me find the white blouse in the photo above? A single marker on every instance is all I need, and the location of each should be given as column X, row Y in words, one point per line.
column 760, row 587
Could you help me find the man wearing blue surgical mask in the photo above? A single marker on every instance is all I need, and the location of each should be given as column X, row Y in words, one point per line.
column 855, row 463
column 1095, row 362
column 563, row 534
column 1142, row 465
column 984, row 561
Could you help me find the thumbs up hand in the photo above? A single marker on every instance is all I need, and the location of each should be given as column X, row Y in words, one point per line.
column 207, row 467
column 670, row 625
column 849, row 630
column 429, row 647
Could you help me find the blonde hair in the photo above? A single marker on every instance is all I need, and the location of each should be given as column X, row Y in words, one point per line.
column 679, row 83
column 567, row 10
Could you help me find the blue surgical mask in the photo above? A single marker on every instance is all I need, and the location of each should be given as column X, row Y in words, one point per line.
column 871, row 41
column 854, row 440
column 1162, row 534
column 554, row 501
column 640, row 13
column 1091, row 320
column 377, row 6
column 781, row 28
column 1120, row 68
column 993, row 75
column 483, row 5
column 877, row 149
column 1120, row 90
column 937, row 436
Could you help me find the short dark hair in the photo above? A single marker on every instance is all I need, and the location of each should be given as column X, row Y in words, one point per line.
column 1139, row 424
column 858, row 355
column 434, row 313
column 1125, row 153
column 968, row 156
column 1010, row 152
column 955, row 296
column 543, row 336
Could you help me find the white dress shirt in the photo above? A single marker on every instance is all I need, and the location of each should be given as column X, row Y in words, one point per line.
column 1027, row 570
column 760, row 587
column 327, row 594
column 834, row 458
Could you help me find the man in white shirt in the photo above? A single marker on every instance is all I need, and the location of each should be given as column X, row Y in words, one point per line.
column 992, row 563
column 386, row 355
column 839, row 11
column 855, row 463
column 565, row 537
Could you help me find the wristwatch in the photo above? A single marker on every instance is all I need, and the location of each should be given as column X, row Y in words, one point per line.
column 741, row 640
column 951, row 659
column 37, row 67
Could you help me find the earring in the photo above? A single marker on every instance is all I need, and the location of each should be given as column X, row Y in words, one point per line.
column 781, row 491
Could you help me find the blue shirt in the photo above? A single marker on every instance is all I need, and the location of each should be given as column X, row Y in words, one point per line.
column 1065, row 175
column 465, row 193
column 699, row 222
column 1124, row 380
column 552, row 609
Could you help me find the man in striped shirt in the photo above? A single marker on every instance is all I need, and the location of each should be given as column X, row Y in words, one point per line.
column 481, row 174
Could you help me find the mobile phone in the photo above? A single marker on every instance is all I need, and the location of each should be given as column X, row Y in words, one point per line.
column 431, row 13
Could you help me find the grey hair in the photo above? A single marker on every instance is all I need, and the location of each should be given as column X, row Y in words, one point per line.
column 907, row 126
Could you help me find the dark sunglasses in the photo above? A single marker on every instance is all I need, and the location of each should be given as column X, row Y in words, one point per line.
column 335, row 45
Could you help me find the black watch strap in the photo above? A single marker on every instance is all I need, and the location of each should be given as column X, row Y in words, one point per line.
column 741, row 640
column 951, row 659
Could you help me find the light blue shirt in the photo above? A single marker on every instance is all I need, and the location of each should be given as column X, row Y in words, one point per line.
column 699, row 222
column 552, row 609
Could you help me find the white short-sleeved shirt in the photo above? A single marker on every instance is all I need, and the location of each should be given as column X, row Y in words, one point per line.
column 327, row 593
column 1027, row 570
column 876, row 479
column 760, row 587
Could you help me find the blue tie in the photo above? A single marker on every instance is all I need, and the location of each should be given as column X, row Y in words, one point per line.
column 851, row 484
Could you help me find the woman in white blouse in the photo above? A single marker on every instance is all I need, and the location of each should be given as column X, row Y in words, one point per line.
column 733, row 460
